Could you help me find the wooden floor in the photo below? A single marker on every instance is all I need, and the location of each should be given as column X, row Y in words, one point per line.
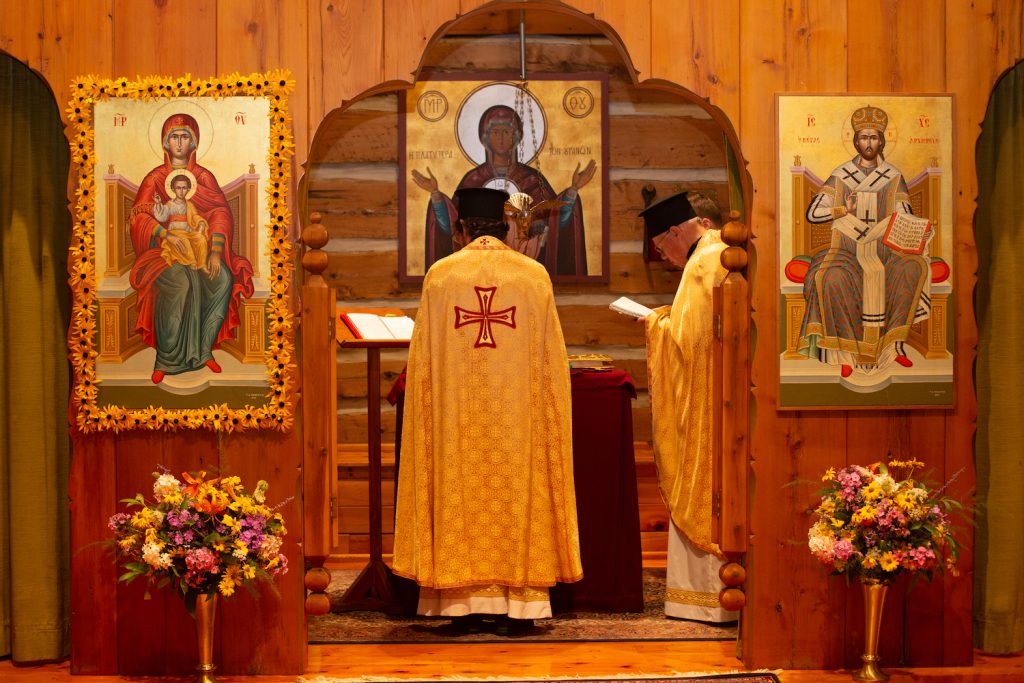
column 539, row 660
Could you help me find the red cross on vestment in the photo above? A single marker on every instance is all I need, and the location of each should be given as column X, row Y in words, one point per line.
column 485, row 316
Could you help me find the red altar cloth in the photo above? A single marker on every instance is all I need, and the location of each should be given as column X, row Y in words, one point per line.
column 606, row 497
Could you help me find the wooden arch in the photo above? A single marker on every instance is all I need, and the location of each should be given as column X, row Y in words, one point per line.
column 732, row 303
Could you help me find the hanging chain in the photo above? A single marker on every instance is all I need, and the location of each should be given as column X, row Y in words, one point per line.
column 525, row 112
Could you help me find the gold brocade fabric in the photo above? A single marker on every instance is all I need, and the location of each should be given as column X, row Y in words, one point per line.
column 685, row 597
column 485, row 492
column 679, row 354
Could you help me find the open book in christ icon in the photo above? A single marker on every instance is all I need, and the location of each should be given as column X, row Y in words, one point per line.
column 907, row 233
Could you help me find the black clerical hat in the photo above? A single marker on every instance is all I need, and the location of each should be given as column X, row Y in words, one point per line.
column 481, row 202
column 661, row 216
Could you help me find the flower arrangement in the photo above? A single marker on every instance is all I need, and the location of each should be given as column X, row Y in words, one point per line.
column 202, row 537
column 877, row 522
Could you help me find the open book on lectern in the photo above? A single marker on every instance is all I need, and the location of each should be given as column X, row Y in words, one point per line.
column 372, row 326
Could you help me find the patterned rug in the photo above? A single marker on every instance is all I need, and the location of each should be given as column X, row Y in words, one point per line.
column 651, row 624
column 749, row 677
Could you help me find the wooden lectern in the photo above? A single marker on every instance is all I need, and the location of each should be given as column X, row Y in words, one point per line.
column 373, row 590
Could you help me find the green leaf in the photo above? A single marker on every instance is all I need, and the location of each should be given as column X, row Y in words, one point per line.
column 129, row 576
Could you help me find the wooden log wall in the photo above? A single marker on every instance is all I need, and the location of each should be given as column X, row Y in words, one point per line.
column 738, row 54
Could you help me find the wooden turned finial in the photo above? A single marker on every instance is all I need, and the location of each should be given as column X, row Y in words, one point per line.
column 732, row 574
column 734, row 233
column 316, row 580
column 734, row 259
column 315, row 237
column 732, row 599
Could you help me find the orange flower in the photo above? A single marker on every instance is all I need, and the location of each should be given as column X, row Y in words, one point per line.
column 211, row 500
column 194, row 483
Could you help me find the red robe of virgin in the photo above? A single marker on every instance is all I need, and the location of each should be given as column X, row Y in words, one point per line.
column 211, row 204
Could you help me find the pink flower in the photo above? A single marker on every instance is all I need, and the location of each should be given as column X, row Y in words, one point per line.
column 843, row 550
column 118, row 520
column 201, row 561
column 849, row 480
column 923, row 557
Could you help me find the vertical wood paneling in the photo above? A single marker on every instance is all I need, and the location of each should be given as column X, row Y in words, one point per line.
column 803, row 50
column 408, row 27
column 93, row 498
column 897, row 46
column 697, row 45
column 926, row 607
column 761, row 62
column 815, row 51
column 22, row 32
column 245, row 621
column 350, row 55
column 165, row 37
column 632, row 22
column 467, row 6
column 78, row 41
column 260, row 35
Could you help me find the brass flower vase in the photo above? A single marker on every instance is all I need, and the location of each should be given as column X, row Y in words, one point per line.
column 874, row 601
column 206, row 611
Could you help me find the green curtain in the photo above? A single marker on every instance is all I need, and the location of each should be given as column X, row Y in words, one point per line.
column 34, row 315
column 999, row 232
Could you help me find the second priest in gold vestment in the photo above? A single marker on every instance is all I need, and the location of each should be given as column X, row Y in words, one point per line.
column 679, row 371
column 486, row 512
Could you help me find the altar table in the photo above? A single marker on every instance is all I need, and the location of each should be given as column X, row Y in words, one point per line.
column 604, row 471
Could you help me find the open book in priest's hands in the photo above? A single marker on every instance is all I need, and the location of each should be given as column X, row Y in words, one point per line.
column 372, row 326
column 627, row 306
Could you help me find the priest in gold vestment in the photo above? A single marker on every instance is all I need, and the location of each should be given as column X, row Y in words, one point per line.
column 486, row 512
column 685, row 230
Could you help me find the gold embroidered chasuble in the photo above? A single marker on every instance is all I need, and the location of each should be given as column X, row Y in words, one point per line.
column 679, row 354
column 485, row 491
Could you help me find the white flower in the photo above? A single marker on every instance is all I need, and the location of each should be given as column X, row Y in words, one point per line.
column 819, row 542
column 270, row 547
column 152, row 556
column 259, row 495
column 164, row 485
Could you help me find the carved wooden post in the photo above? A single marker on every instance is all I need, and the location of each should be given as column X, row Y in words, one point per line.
column 731, row 388
column 319, row 408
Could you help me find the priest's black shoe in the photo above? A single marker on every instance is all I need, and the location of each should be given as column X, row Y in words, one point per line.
column 469, row 623
column 512, row 628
